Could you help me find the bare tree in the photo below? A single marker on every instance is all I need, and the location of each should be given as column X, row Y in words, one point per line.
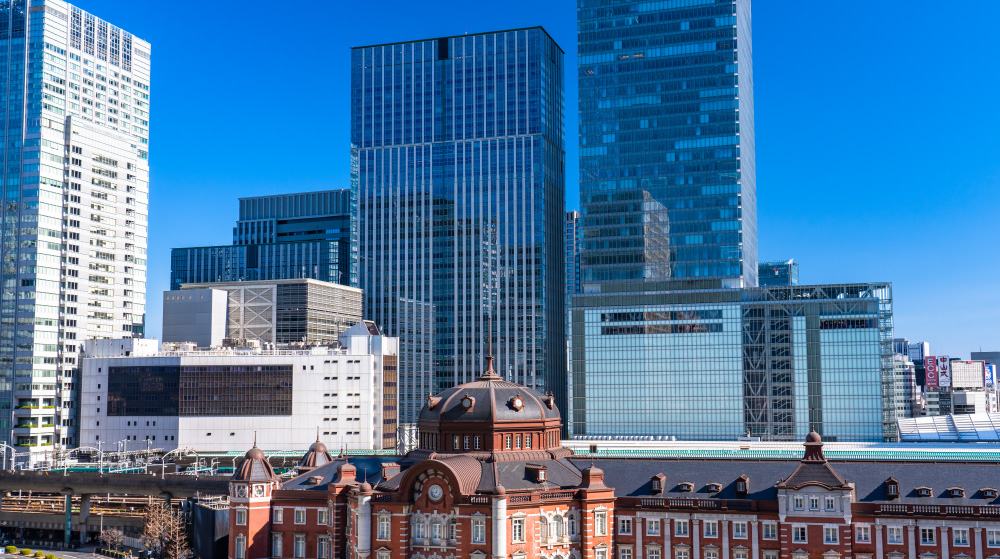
column 113, row 538
column 163, row 533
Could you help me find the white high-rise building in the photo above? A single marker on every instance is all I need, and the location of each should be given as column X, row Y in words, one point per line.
column 76, row 148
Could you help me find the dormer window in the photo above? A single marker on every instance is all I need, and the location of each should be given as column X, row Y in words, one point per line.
column 988, row 493
column 923, row 491
column 656, row 483
column 743, row 485
column 714, row 487
column 891, row 488
column 686, row 486
column 956, row 492
column 537, row 472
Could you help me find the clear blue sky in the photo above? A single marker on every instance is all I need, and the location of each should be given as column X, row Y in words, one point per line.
column 878, row 156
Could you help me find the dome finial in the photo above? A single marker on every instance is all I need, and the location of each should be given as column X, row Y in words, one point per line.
column 490, row 373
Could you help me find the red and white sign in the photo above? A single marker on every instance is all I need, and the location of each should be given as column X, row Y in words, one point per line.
column 944, row 371
column 930, row 365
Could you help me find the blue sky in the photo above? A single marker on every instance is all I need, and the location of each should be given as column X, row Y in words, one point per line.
column 878, row 157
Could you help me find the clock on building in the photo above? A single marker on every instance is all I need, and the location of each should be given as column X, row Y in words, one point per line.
column 435, row 492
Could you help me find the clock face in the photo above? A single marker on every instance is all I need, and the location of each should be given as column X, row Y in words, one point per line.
column 258, row 491
column 435, row 492
column 518, row 403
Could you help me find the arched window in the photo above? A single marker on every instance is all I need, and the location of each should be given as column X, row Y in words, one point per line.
column 573, row 526
column 436, row 529
column 419, row 528
column 543, row 528
column 241, row 546
column 453, row 529
column 559, row 526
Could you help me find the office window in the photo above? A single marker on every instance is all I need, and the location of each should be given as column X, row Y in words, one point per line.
column 830, row 534
column 276, row 541
column 601, row 523
column 993, row 538
column 241, row 517
column 300, row 516
column 478, row 530
column 300, row 546
column 680, row 527
column 711, row 529
column 383, row 532
column 798, row 534
column 960, row 536
column 894, row 534
column 770, row 531
column 830, row 504
column 517, row 530
column 927, row 536
column 624, row 525
column 652, row 526
column 862, row 533
column 739, row 529
column 679, row 553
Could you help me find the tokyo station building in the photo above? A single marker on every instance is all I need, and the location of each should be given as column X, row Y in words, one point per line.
column 490, row 480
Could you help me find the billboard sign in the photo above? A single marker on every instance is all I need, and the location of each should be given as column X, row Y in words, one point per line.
column 990, row 374
column 930, row 365
column 944, row 371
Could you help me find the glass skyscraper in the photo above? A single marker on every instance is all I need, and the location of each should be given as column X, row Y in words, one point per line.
column 309, row 235
column 76, row 145
column 667, row 178
column 777, row 273
column 457, row 143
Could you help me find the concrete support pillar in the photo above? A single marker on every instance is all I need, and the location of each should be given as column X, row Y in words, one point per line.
column 754, row 539
column 977, row 534
column 696, row 535
column 364, row 525
column 84, row 517
column 68, row 531
column 945, row 535
column 879, row 551
column 912, row 538
column 500, row 527
column 725, row 538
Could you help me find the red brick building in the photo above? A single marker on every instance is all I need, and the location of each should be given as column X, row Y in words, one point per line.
column 490, row 480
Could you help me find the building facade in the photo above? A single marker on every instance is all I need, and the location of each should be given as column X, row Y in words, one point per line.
column 209, row 399
column 490, row 480
column 289, row 311
column 573, row 238
column 667, row 177
column 76, row 146
column 284, row 236
column 771, row 362
column 777, row 273
column 457, row 143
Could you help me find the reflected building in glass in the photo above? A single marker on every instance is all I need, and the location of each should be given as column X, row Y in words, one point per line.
column 457, row 146
column 778, row 272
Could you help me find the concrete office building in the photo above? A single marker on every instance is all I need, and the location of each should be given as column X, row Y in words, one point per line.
column 991, row 357
column 457, row 143
column 216, row 399
column 284, row 236
column 76, row 180
column 273, row 312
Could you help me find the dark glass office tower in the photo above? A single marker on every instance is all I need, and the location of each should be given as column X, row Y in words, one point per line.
column 667, row 182
column 457, row 144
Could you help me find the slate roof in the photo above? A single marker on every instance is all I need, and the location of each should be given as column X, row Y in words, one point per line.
column 369, row 468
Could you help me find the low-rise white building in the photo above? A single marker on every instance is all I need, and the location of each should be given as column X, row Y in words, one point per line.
column 220, row 399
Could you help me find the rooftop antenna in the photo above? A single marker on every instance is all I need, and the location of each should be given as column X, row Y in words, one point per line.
column 255, row 439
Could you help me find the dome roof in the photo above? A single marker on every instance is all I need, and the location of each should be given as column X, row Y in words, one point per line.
column 254, row 467
column 813, row 437
column 490, row 399
column 316, row 456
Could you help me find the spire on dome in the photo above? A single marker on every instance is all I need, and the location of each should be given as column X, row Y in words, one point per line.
column 489, row 373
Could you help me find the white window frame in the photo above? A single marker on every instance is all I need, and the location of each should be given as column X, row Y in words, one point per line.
column 299, row 546
column 711, row 529
column 241, row 517
column 831, row 535
column 813, row 502
column 384, row 521
column 601, row 523
column 600, row 553
column 625, row 525
column 681, row 528
column 278, row 516
column 241, row 546
column 322, row 517
column 796, row 530
column 830, row 504
column 277, row 544
column 798, row 502
column 654, row 552
column 993, row 538
column 896, row 531
column 770, row 531
column 478, row 530
column 652, row 526
column 322, row 547
column 739, row 554
column 517, row 530
column 954, row 537
column 300, row 516
column 712, row 553
column 862, row 533
column 740, row 531
column 932, row 532
column 679, row 553
column 624, row 552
